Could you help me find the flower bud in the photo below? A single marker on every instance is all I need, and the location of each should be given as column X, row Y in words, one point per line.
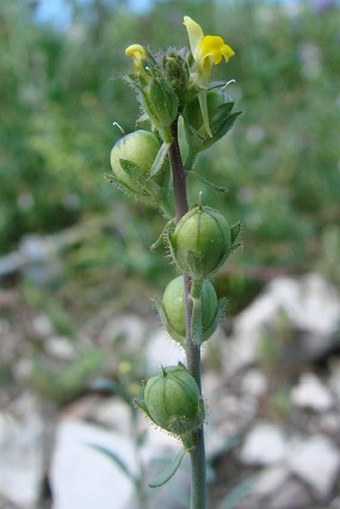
column 138, row 149
column 172, row 400
column 201, row 242
column 177, row 72
column 173, row 309
column 160, row 103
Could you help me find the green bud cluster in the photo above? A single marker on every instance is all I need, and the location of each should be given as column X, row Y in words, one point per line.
column 177, row 72
column 156, row 95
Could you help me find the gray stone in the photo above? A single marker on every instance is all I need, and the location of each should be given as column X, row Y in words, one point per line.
column 161, row 350
column 335, row 504
column 81, row 477
column 334, row 381
column 270, row 480
column 42, row 326
column 311, row 393
column 316, row 461
column 254, row 383
column 21, row 439
column 60, row 348
column 291, row 495
column 311, row 305
column 264, row 445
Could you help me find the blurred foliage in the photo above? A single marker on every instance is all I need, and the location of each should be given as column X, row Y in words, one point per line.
column 62, row 382
column 61, row 91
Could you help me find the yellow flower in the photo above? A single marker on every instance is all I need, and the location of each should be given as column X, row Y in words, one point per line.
column 206, row 49
column 137, row 52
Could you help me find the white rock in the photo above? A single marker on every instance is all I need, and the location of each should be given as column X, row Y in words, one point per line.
column 61, row 348
column 334, row 381
column 21, row 466
column 291, row 495
column 270, row 480
column 83, row 478
column 161, row 350
column 311, row 393
column 42, row 326
column 311, row 304
column 316, row 460
column 130, row 327
column 335, row 503
column 254, row 383
column 264, row 445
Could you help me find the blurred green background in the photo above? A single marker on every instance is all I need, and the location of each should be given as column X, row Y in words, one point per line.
column 61, row 90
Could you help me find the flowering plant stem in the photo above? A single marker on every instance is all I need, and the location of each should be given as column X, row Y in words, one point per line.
column 193, row 351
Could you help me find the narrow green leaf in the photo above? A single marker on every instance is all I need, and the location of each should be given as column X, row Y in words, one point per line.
column 112, row 456
column 220, row 116
column 217, row 188
column 169, row 472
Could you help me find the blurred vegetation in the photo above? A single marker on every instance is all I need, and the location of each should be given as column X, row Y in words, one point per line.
column 61, row 90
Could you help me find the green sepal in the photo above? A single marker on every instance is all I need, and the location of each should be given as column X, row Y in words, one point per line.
column 198, row 335
column 219, row 313
column 202, row 99
column 127, row 191
column 220, row 127
column 196, row 315
column 158, row 163
column 171, row 331
column 215, row 187
column 169, row 225
column 195, row 261
column 140, row 403
column 234, row 232
column 169, row 471
column 136, row 173
column 196, row 321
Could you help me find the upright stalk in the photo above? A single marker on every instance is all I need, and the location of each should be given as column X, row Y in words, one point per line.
column 193, row 352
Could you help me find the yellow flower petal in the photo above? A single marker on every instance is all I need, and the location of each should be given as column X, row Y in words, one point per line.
column 195, row 34
column 213, row 46
column 137, row 52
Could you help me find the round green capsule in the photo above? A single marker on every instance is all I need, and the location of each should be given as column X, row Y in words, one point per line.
column 172, row 400
column 201, row 242
column 173, row 307
column 140, row 148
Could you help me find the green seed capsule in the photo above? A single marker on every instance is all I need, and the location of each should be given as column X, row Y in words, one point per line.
column 140, row 148
column 173, row 308
column 172, row 400
column 201, row 242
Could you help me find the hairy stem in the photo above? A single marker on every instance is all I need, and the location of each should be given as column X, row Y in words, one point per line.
column 193, row 353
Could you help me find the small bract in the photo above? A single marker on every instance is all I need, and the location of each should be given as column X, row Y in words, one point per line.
column 201, row 242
